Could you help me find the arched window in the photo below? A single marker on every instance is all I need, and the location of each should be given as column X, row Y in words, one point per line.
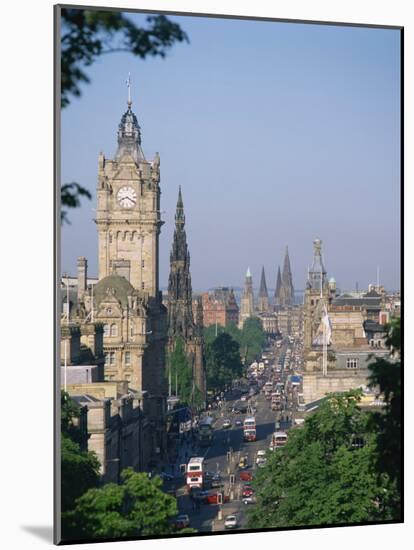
column 114, row 330
column 106, row 330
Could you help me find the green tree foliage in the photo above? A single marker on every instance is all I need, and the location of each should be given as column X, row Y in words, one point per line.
column 89, row 34
column 79, row 472
column 222, row 361
column 323, row 475
column 136, row 507
column 252, row 339
column 385, row 374
column 70, row 195
column 181, row 372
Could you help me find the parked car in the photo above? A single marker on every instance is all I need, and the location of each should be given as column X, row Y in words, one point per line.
column 249, row 500
column 182, row 521
column 230, row 522
column 246, row 476
column 239, row 422
column 243, row 463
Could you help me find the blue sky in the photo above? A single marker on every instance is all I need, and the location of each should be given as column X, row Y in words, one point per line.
column 278, row 133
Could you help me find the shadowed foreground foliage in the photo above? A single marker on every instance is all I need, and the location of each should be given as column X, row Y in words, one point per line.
column 137, row 507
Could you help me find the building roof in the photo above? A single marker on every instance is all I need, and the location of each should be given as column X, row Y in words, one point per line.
column 118, row 285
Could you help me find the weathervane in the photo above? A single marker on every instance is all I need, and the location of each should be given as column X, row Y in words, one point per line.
column 128, row 82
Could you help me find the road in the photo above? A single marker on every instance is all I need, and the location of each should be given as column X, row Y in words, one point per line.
column 227, row 447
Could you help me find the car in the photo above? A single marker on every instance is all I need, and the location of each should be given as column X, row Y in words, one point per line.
column 243, row 463
column 247, row 491
column 249, row 500
column 246, row 476
column 198, row 494
column 165, row 476
column 261, row 462
column 182, row 521
column 213, row 498
column 230, row 522
column 262, row 452
column 227, row 423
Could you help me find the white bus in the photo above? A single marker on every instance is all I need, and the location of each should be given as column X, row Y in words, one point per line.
column 195, row 472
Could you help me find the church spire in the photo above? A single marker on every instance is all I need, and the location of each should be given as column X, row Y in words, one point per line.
column 263, row 302
column 278, row 287
column 263, row 286
column 287, row 291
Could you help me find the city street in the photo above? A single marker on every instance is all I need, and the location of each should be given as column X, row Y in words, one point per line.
column 228, row 446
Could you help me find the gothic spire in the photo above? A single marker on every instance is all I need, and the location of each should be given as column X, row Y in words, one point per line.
column 263, row 286
column 180, row 316
column 263, row 302
column 179, row 211
column 278, row 287
column 129, row 132
column 287, row 292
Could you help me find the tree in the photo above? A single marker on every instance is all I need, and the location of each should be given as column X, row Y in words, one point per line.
column 222, row 361
column 252, row 339
column 180, row 371
column 79, row 470
column 136, row 507
column 385, row 374
column 324, row 474
column 88, row 34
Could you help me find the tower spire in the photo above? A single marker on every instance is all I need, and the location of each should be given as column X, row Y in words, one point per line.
column 263, row 302
column 179, row 211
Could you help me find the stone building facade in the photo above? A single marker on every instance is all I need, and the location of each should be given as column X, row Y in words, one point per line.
column 348, row 349
column 126, row 301
column 220, row 307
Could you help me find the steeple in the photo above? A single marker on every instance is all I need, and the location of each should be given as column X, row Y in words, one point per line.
column 247, row 299
column 129, row 133
column 263, row 302
column 278, row 287
column 287, row 291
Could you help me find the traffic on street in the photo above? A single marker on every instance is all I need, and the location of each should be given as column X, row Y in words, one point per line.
column 216, row 463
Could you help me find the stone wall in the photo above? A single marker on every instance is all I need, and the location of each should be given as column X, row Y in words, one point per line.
column 316, row 386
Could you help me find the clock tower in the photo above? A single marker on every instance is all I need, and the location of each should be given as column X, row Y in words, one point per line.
column 128, row 210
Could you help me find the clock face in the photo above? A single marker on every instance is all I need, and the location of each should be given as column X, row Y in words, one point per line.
column 127, row 197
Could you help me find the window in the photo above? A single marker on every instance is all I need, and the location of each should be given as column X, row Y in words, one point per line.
column 107, row 358
column 142, row 263
column 131, row 332
column 106, row 330
column 114, row 330
column 112, row 358
column 127, row 358
column 109, row 310
column 352, row 363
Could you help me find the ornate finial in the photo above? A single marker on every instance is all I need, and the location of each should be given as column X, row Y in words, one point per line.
column 128, row 82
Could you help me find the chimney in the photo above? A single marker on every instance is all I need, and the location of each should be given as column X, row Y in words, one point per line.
column 82, row 277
